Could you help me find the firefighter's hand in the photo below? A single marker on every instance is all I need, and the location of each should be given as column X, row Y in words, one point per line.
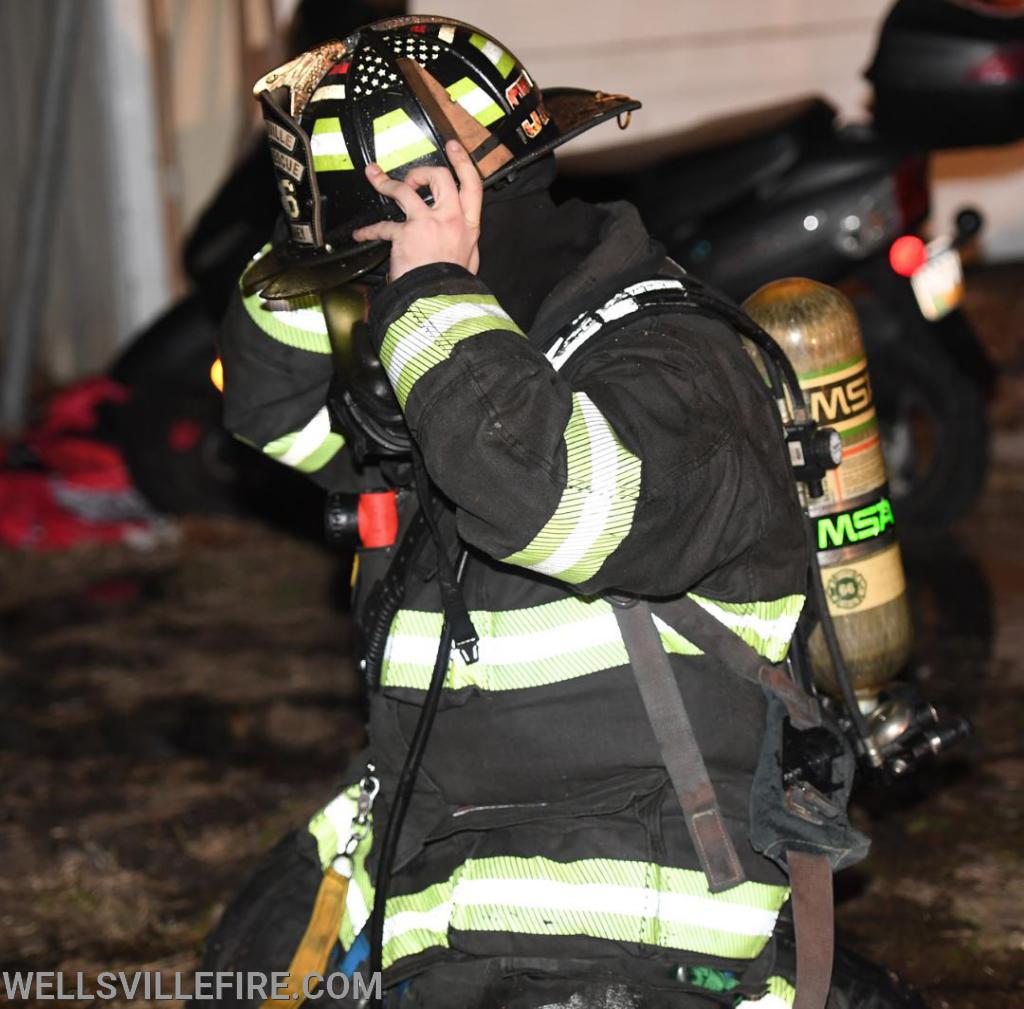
column 446, row 232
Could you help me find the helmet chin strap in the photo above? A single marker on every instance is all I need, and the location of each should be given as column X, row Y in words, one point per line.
column 377, row 277
column 532, row 178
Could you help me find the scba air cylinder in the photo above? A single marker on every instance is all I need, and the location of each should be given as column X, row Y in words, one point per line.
column 861, row 567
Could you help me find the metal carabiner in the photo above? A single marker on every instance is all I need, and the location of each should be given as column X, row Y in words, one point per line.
column 369, row 789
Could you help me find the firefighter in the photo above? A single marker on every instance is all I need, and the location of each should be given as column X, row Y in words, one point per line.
column 558, row 439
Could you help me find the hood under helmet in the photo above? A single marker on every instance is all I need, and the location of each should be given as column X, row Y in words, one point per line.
column 394, row 92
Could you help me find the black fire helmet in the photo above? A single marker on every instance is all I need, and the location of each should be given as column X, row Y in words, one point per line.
column 394, row 92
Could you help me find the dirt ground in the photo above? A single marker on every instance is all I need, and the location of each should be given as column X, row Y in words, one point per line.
column 168, row 714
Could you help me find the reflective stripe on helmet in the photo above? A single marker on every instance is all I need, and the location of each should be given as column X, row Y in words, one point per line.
column 596, row 510
column 621, row 901
column 330, row 152
column 780, row 995
column 502, row 61
column 397, row 140
column 429, row 330
column 477, row 102
column 530, row 647
column 329, row 93
column 310, row 449
column 399, row 113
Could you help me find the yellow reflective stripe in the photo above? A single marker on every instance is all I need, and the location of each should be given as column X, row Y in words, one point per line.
column 766, row 626
column 501, row 59
column 428, row 332
column 530, row 647
column 331, row 828
column 780, row 995
column 311, row 448
column 330, row 152
column 397, row 140
column 595, row 513
column 554, row 642
column 617, row 900
column 477, row 102
column 295, row 322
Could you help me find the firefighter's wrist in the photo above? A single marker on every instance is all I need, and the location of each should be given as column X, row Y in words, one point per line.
column 392, row 300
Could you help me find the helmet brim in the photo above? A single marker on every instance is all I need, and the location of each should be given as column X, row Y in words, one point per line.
column 286, row 272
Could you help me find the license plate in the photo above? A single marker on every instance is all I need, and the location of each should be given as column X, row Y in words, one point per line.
column 939, row 283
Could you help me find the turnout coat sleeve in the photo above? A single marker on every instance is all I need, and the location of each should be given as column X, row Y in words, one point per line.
column 277, row 369
column 637, row 471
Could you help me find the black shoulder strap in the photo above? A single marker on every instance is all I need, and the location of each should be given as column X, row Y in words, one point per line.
column 663, row 293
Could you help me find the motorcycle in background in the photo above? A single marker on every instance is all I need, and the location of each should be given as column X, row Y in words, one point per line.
column 739, row 201
column 788, row 191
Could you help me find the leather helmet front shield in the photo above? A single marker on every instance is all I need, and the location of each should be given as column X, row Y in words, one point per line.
column 292, row 158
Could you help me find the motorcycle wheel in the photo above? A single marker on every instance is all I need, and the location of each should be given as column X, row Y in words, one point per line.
column 932, row 418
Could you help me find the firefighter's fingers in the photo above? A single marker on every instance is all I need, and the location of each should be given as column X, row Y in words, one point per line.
column 471, row 188
column 440, row 183
column 387, row 231
column 404, row 195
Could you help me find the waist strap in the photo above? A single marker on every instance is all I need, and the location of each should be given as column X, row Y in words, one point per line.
column 810, row 874
column 678, row 744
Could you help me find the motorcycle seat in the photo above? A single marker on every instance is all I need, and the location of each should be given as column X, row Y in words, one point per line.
column 708, row 166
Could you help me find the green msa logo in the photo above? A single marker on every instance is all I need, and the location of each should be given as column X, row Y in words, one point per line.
column 844, row 528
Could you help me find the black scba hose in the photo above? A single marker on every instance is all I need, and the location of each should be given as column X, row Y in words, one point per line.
column 404, row 790
column 775, row 357
column 456, row 630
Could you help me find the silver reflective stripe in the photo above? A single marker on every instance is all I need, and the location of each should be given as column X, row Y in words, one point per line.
column 432, row 328
column 617, row 900
column 596, row 506
column 310, row 438
column 589, row 324
column 519, row 649
column 429, row 331
column 766, row 625
column 595, row 512
column 311, row 448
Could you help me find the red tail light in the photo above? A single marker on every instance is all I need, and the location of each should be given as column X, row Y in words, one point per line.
column 1003, row 67
column 906, row 254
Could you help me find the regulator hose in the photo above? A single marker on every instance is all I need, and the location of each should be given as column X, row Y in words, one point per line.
column 457, row 629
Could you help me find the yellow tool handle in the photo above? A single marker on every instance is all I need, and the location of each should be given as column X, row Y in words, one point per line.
column 315, row 948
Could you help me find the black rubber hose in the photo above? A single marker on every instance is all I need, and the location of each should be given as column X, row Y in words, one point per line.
column 764, row 340
column 705, row 296
column 842, row 674
column 404, row 790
